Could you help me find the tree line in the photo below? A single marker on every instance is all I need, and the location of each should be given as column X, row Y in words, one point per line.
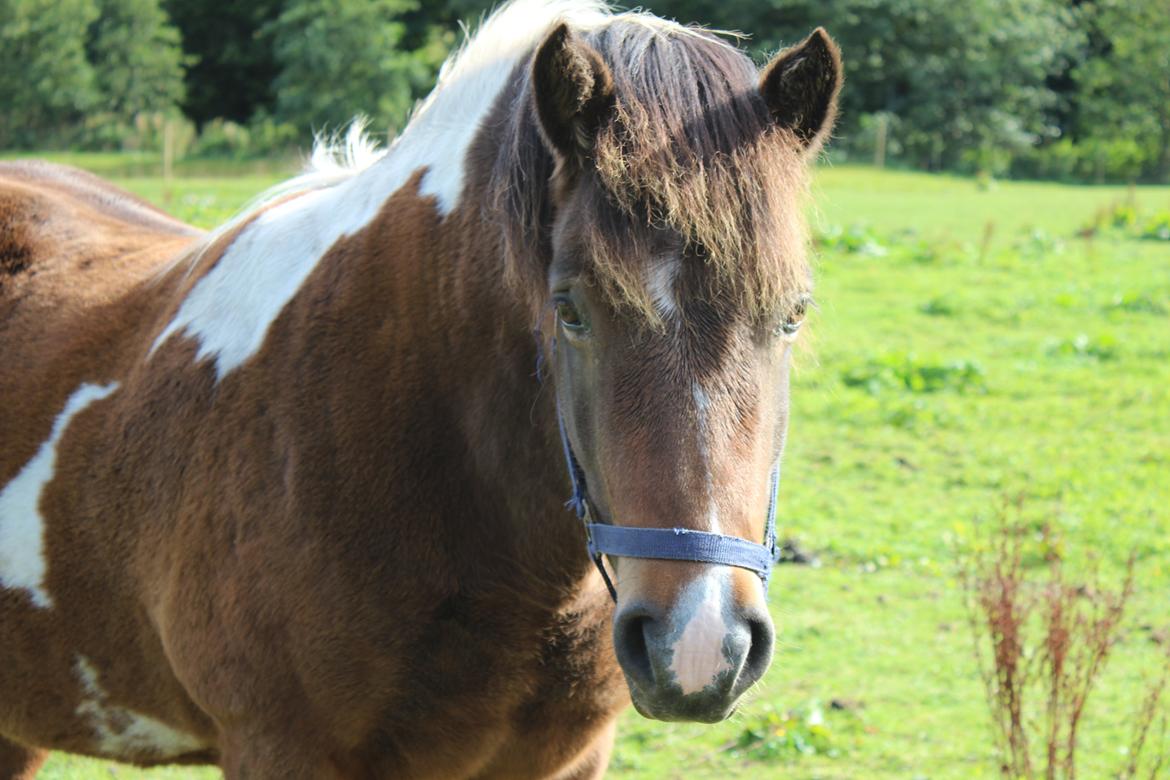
column 1067, row 89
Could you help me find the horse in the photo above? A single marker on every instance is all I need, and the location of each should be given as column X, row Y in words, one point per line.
column 289, row 497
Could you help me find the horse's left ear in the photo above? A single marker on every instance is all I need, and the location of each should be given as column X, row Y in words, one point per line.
column 573, row 90
column 800, row 86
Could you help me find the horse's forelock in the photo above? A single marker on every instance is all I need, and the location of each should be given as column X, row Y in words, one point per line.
column 690, row 148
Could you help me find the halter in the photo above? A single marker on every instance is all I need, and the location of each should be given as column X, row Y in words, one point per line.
column 672, row 544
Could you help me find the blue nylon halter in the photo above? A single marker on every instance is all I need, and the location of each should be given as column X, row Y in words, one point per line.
column 673, row 544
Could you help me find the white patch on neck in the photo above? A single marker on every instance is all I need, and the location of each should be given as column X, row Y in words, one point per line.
column 22, row 528
column 124, row 733
column 662, row 277
column 230, row 310
column 702, row 409
column 698, row 658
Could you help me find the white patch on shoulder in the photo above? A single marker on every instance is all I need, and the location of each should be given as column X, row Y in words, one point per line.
column 124, row 733
column 230, row 309
column 702, row 409
column 697, row 659
column 22, row 528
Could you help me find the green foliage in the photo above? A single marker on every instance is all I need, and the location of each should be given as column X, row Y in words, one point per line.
column 1098, row 160
column 341, row 58
column 232, row 67
column 1027, row 88
column 1124, row 90
column 955, row 76
column 136, row 57
column 82, row 71
column 46, row 83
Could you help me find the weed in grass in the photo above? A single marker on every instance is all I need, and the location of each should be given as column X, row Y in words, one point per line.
column 1121, row 220
column 1123, row 216
column 1104, row 347
column 904, row 372
column 1038, row 243
column 1116, row 218
column 858, row 239
column 1041, row 643
column 925, row 253
column 939, row 307
column 1137, row 303
column 776, row 735
column 1158, row 228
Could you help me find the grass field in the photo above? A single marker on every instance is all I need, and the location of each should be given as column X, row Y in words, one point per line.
column 968, row 347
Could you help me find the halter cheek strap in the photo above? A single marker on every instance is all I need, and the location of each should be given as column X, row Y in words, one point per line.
column 673, row 544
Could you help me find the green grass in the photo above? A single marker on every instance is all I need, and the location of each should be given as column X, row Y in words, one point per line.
column 968, row 347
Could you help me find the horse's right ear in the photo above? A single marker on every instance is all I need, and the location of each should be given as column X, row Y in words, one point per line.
column 573, row 91
column 801, row 86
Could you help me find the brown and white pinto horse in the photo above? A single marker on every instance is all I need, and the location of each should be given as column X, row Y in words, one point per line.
column 290, row 497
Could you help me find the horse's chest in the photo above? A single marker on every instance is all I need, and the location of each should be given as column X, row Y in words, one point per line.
column 536, row 694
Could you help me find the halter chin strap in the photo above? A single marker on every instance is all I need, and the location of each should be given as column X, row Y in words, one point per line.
column 672, row 544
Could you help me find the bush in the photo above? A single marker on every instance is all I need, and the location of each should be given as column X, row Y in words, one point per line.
column 1118, row 160
column 1158, row 228
column 146, row 132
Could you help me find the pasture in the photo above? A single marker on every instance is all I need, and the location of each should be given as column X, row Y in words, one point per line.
column 970, row 346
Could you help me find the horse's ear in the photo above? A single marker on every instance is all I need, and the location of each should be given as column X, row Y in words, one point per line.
column 573, row 90
column 800, row 86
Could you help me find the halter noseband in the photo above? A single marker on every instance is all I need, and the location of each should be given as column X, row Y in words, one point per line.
column 673, row 544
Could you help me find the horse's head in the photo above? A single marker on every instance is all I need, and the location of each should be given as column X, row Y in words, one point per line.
column 670, row 252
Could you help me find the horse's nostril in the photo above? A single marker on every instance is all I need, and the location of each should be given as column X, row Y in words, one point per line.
column 759, row 655
column 630, row 644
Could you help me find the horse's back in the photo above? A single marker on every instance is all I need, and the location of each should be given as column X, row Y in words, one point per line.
column 95, row 192
column 67, row 233
column 78, row 260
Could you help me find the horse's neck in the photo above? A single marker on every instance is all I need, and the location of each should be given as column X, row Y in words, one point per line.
column 507, row 406
column 419, row 298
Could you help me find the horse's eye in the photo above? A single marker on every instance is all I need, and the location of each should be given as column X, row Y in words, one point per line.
column 788, row 326
column 568, row 315
column 794, row 319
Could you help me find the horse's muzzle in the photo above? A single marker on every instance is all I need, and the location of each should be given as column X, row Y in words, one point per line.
column 693, row 662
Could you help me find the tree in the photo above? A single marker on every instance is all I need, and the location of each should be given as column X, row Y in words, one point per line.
column 136, row 58
column 340, row 58
column 231, row 67
column 46, row 83
column 954, row 76
column 1125, row 90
